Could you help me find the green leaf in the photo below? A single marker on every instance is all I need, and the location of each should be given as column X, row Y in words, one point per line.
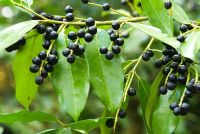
column 28, row 2
column 26, row 116
column 71, row 81
column 190, row 48
column 57, row 131
column 179, row 14
column 26, row 88
column 106, row 77
column 158, row 15
column 157, row 33
column 163, row 119
column 152, row 101
column 89, row 124
column 144, row 93
column 12, row 34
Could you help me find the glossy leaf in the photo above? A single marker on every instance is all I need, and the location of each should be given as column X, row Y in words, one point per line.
column 106, row 76
column 12, row 34
column 179, row 14
column 26, row 116
column 144, row 93
column 89, row 124
column 163, row 119
column 71, row 81
column 157, row 33
column 26, row 88
column 191, row 47
column 158, row 15
column 152, row 101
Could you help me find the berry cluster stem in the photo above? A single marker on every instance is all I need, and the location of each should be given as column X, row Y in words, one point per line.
column 129, row 81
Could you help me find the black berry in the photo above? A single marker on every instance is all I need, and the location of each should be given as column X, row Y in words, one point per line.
column 119, row 42
column 103, row 50
column 53, row 35
column 131, row 92
column 34, row 68
column 170, row 85
column 85, row 1
column 116, row 49
column 177, row 111
column 81, row 33
column 36, row 61
column 41, row 29
column 52, row 59
column 70, row 58
column 181, row 38
column 72, row 35
column 163, row 90
column 46, row 44
column 44, row 73
column 90, row 22
column 69, row 16
column 88, row 37
column 183, row 28
column 146, row 56
column 68, row 9
column 92, row 30
column 182, row 69
column 39, row 80
column 122, row 114
column 166, row 70
column 158, row 63
column 173, row 105
column 48, row 67
column 110, row 123
column 42, row 55
column 115, row 25
column 172, row 78
column 66, row 52
column 106, row 6
column 168, row 5
column 182, row 79
column 109, row 55
column 114, row 37
column 176, row 58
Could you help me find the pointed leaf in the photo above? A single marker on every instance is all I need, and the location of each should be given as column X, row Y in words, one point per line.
column 106, row 76
column 26, row 88
column 157, row 33
column 152, row 101
column 12, row 34
column 190, row 48
column 71, row 81
column 26, row 116
column 158, row 15
column 89, row 124
column 179, row 14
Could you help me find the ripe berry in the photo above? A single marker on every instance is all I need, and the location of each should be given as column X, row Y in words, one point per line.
column 182, row 69
column 44, row 14
column 70, row 58
column 68, row 9
column 122, row 114
column 90, row 22
column 190, row 86
column 41, row 29
column 103, row 50
column 54, row 51
column 47, row 37
column 110, row 31
column 52, row 59
column 34, row 17
column 182, row 79
column 166, row 59
column 106, row 6
column 39, row 80
column 163, row 90
column 197, row 87
column 49, row 30
column 81, row 33
column 92, row 30
column 72, row 35
column 53, row 35
column 173, row 105
column 176, row 58
column 58, row 18
column 42, row 55
column 114, row 37
column 168, row 5
column 146, row 56
column 172, row 78
column 150, row 52
column 181, row 38
column 189, row 94
column 123, row 2
column 174, row 65
column 170, row 85
column 48, row 67
column 116, row 49
column 177, row 111
column 69, row 16
column 36, row 61
column 66, row 52
column 158, row 63
column 88, row 37
column 115, row 25
column 110, row 123
column 183, row 28
column 34, row 68
column 119, row 42
column 131, row 92
column 81, row 50
column 44, row 73
column 166, row 70
column 85, row 1
column 109, row 55
column 46, row 44
column 185, row 107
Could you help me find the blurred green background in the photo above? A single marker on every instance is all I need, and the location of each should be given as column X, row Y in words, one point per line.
column 46, row 99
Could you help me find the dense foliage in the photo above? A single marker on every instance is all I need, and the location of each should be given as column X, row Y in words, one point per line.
column 80, row 56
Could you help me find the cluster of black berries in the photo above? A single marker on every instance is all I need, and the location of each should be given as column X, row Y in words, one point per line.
column 147, row 55
column 176, row 70
column 116, row 42
column 16, row 45
column 74, row 49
